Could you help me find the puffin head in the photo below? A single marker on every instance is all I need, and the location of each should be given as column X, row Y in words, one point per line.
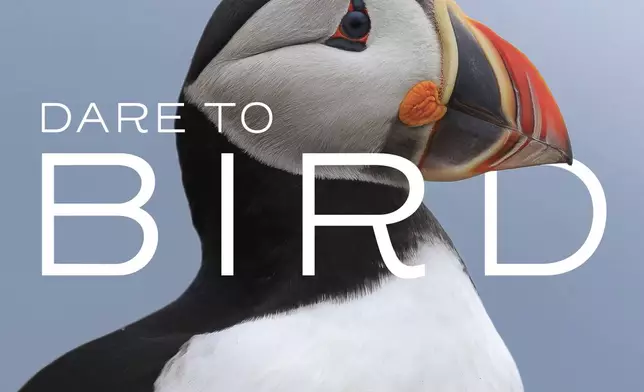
column 414, row 78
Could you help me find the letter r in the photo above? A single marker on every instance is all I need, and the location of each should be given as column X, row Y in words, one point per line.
column 379, row 222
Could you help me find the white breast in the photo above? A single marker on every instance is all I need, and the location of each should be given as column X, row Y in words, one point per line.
column 429, row 334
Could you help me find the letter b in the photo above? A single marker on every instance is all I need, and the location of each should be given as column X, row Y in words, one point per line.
column 129, row 209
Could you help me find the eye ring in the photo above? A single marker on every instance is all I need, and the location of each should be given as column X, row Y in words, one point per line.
column 354, row 28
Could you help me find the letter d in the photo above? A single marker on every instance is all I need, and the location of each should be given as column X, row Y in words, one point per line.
column 598, row 198
column 130, row 209
column 43, row 117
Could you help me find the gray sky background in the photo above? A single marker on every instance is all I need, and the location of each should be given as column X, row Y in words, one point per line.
column 576, row 332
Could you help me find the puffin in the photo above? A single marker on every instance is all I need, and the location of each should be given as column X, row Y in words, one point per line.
column 417, row 79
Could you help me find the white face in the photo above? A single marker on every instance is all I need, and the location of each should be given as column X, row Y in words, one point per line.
column 323, row 99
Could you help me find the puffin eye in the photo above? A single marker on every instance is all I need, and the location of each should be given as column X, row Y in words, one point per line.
column 353, row 31
column 355, row 25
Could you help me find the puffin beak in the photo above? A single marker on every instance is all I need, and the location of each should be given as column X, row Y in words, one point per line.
column 491, row 111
